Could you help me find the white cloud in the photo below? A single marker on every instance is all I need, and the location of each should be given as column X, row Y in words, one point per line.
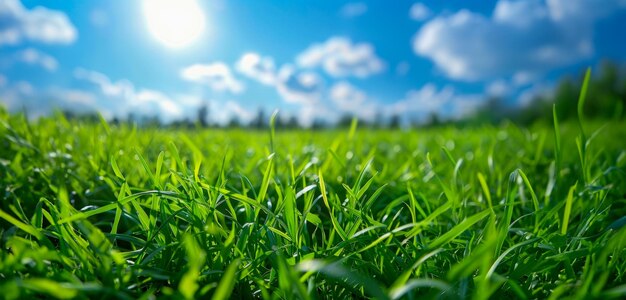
column 222, row 112
column 258, row 68
column 121, row 98
column 24, row 88
column 530, row 94
column 190, row 100
column 339, row 57
column 463, row 106
column 501, row 87
column 309, row 113
column 426, row 99
column 582, row 10
column 292, row 84
column 74, row 97
column 296, row 86
column 419, row 12
column 524, row 78
column 347, row 96
column 520, row 13
column 216, row 75
column 32, row 56
column 498, row 88
column 39, row 101
column 349, row 99
column 122, row 88
column 354, row 9
column 38, row 24
column 17, row 95
column 235, row 109
column 531, row 36
column 145, row 98
column 429, row 99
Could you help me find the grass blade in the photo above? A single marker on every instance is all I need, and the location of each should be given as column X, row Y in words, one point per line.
column 458, row 229
column 568, row 209
column 227, row 283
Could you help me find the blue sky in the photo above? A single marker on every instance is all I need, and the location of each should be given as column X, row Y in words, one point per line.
column 310, row 59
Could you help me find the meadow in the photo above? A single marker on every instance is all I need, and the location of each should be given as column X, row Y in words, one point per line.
column 93, row 210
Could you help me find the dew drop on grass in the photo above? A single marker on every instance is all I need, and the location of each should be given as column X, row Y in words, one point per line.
column 349, row 155
column 428, row 176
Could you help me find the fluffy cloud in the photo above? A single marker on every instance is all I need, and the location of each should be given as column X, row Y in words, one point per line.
column 349, row 99
column 24, row 88
column 75, row 97
column 498, row 88
column 224, row 111
column 429, row 99
column 309, row 114
column 216, row 75
column 535, row 91
column 121, row 98
column 354, row 9
column 38, row 102
column 528, row 36
column 346, row 96
column 339, row 57
column 38, row 24
column 292, row 84
column 95, row 91
column 296, row 86
column 32, row 56
column 122, row 88
column 18, row 95
column 582, row 10
column 419, row 12
column 258, row 68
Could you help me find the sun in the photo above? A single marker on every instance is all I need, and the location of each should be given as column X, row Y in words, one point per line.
column 175, row 23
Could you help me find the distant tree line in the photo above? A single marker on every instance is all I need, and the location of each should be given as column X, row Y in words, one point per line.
column 606, row 99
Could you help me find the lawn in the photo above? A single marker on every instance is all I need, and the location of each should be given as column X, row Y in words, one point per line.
column 95, row 210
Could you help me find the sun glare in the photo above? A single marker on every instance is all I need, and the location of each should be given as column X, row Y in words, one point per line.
column 175, row 23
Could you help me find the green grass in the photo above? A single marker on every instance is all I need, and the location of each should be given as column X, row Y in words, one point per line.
column 102, row 211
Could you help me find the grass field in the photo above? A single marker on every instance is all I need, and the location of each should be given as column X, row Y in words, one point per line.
column 101, row 211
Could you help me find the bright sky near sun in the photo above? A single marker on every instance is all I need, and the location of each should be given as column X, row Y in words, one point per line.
column 310, row 59
column 176, row 24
